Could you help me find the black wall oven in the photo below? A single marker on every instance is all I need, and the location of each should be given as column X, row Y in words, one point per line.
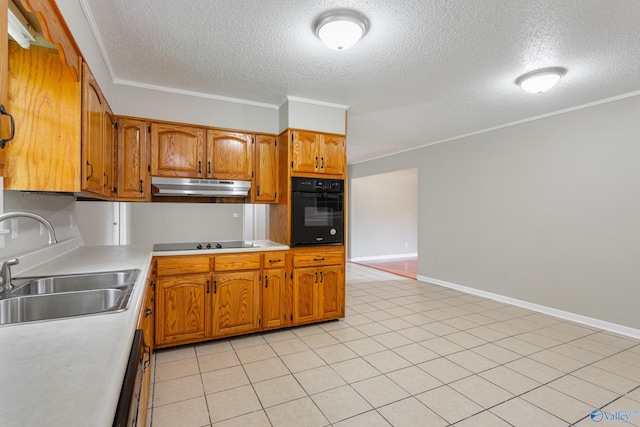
column 317, row 211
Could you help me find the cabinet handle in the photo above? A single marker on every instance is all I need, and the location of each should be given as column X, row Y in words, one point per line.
column 209, row 167
column 319, row 259
column 141, row 190
column 199, row 166
column 316, row 277
column 322, row 158
column 3, row 141
column 91, row 166
column 215, row 286
column 148, row 312
column 266, row 280
column 208, row 286
column 321, row 277
column 258, row 191
column 275, row 260
column 316, row 162
column 107, row 177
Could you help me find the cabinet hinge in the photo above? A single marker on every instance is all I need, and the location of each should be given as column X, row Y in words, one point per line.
column 292, row 133
column 291, row 165
column 149, row 168
column 252, row 139
column 115, row 125
column 252, row 173
column 276, row 142
column 291, row 276
column 291, row 317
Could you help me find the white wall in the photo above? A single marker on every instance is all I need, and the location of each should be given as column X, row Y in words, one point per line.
column 317, row 116
column 383, row 215
column 546, row 211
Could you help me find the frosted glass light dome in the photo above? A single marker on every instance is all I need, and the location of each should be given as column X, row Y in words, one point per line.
column 341, row 29
column 539, row 81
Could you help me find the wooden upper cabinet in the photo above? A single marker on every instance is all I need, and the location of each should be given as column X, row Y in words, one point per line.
column 304, row 153
column 267, row 170
column 110, row 143
column 229, row 155
column 133, row 159
column 177, row 151
column 97, row 138
column 332, row 155
column 316, row 153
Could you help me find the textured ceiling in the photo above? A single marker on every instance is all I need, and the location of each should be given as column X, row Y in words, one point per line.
column 427, row 70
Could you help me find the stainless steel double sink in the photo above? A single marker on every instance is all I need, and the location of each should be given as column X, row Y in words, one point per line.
column 54, row 297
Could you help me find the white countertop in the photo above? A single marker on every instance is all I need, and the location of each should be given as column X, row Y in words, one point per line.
column 260, row 245
column 69, row 372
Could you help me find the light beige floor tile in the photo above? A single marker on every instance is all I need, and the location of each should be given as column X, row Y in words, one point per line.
column 396, row 324
column 334, row 325
column 354, row 370
column 371, row 329
column 322, row 339
column 290, row 346
column 417, row 319
column 444, row 370
column 538, row 338
column 176, row 369
column 460, row 323
column 377, row 316
column 521, row 347
column 629, row 356
column 215, row 361
column 368, row 419
column 535, row 370
column 213, row 347
column 335, row 353
column 341, row 403
column 278, row 390
column 416, row 334
column 613, row 340
column 392, row 340
column 486, row 333
column 279, row 335
column 173, row 354
column 571, row 351
column 471, row 361
column 618, row 367
column 255, row 353
column 411, row 413
column 253, row 419
column 347, row 334
column 227, row 404
column 265, row 369
column 356, row 319
column 496, row 353
column 625, row 410
column 595, row 346
column 449, row 404
column 414, row 380
column 608, row 380
column 387, row 361
column 481, row 391
column 188, row 413
column 415, row 353
column 510, row 380
column 588, row 393
column 319, row 379
column 442, row 346
column 224, row 379
column 300, row 412
column 365, row 346
column 483, row 419
column 521, row 413
column 364, row 308
column 178, row 389
column 557, row 360
column 439, row 329
column 399, row 311
column 302, row 361
column 379, row 391
column 246, row 341
column 558, row 404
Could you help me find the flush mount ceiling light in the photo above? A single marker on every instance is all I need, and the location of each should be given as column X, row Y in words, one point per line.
column 341, row 29
column 541, row 80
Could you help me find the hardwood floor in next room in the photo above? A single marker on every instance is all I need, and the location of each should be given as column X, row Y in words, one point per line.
column 406, row 267
column 407, row 353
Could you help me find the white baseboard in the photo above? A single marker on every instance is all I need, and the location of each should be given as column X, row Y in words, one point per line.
column 382, row 257
column 566, row 315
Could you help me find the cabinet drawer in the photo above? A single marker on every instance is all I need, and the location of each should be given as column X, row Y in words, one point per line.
column 312, row 259
column 237, row 262
column 170, row 266
column 274, row 259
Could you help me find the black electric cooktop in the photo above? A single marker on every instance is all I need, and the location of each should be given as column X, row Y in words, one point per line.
column 228, row 244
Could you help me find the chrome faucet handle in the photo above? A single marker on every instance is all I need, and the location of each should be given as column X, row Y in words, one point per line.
column 5, row 273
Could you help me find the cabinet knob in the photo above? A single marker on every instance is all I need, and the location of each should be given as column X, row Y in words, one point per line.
column 148, row 312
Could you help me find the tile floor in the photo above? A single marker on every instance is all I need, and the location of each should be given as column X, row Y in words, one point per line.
column 408, row 353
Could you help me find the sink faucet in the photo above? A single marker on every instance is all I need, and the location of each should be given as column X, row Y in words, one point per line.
column 42, row 220
column 5, row 275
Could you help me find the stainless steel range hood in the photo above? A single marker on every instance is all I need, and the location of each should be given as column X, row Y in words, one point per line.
column 199, row 187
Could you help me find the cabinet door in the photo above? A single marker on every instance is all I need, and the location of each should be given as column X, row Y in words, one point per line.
column 266, row 169
column 305, row 295
column 331, row 289
column 332, row 155
column 177, row 151
column 182, row 309
column 235, row 306
column 133, row 160
column 273, row 300
column 92, row 134
column 109, row 145
column 304, row 153
column 229, row 155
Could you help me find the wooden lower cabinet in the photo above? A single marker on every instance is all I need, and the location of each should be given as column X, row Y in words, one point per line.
column 318, row 294
column 146, row 322
column 235, row 303
column 273, row 298
column 183, row 309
